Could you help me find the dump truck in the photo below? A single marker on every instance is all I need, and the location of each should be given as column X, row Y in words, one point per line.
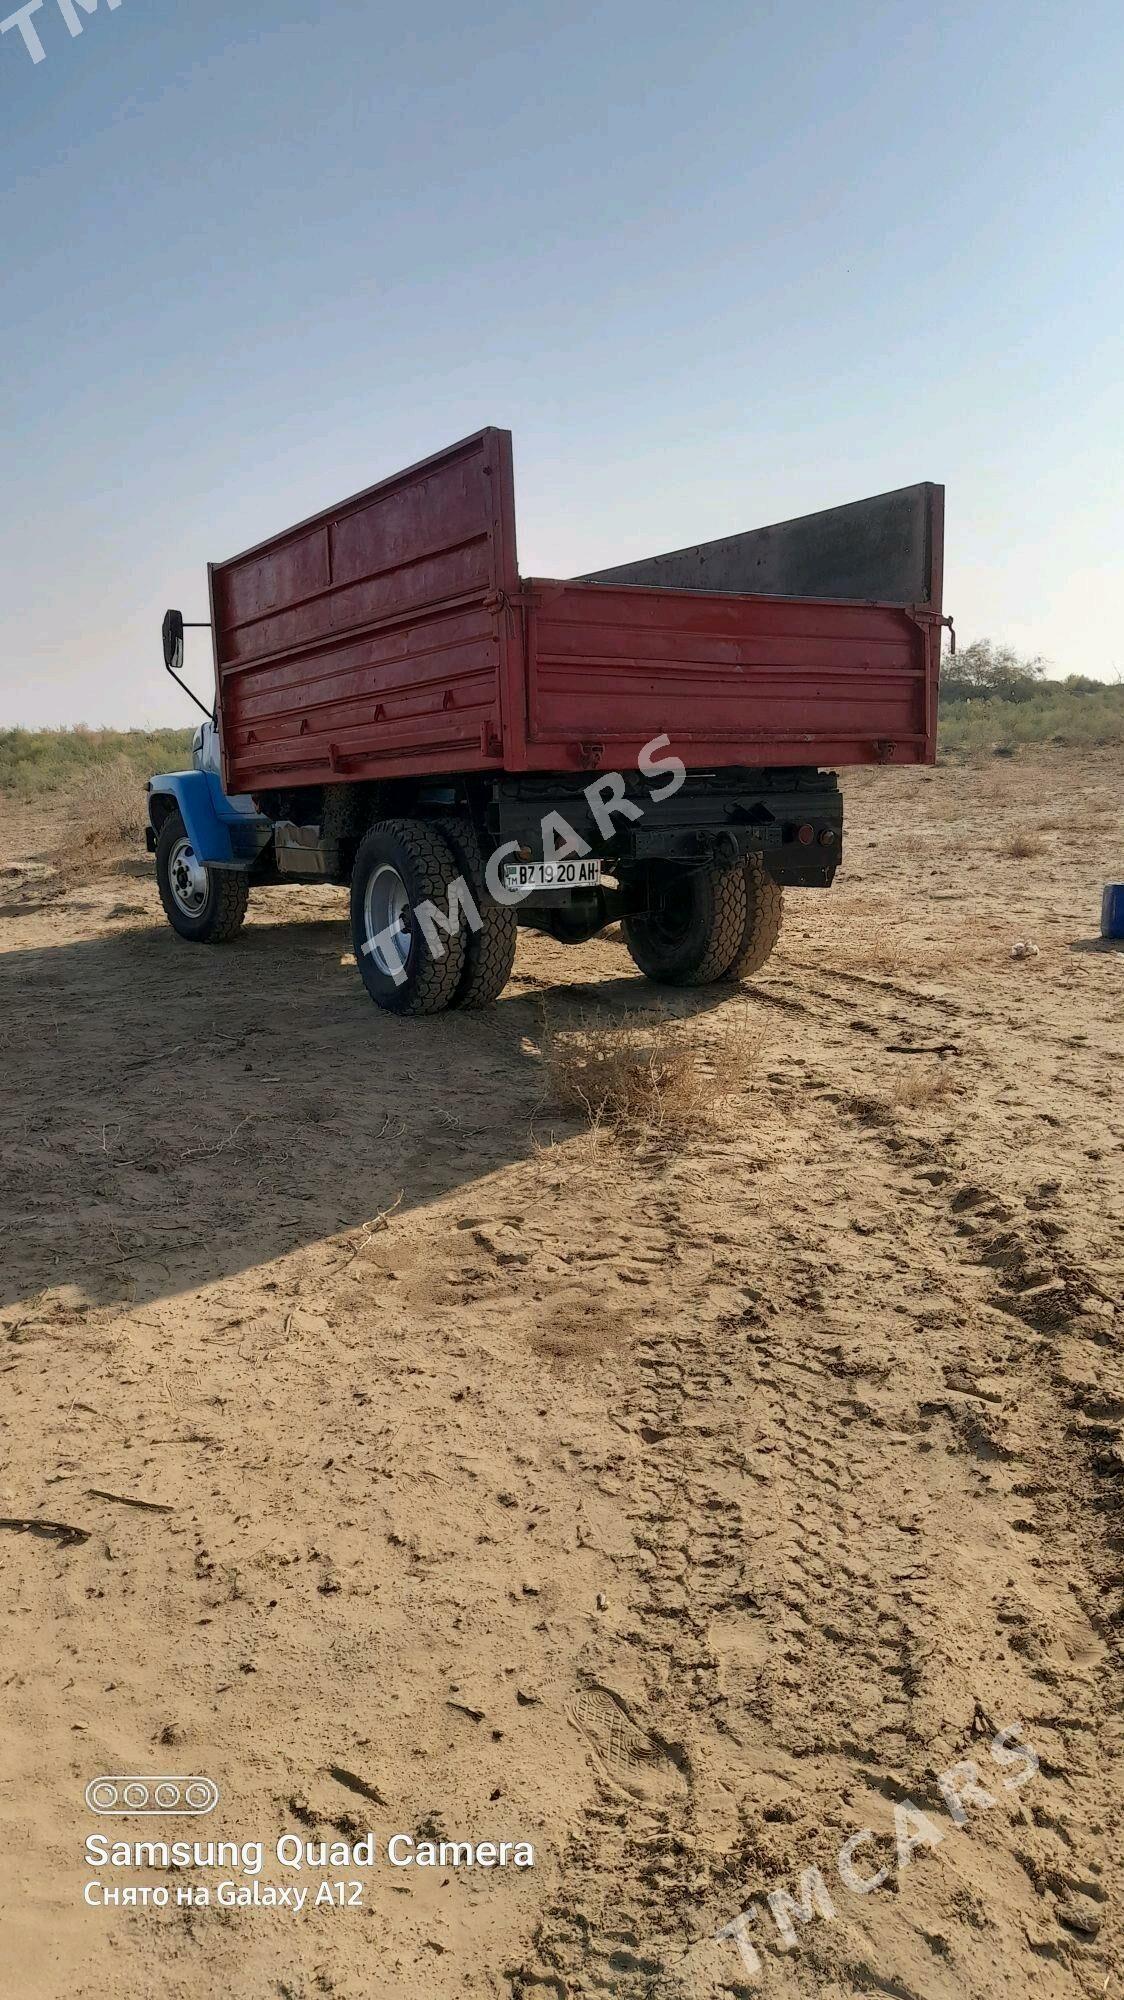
column 656, row 745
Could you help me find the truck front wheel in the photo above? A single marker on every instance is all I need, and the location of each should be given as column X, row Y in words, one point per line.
column 205, row 905
column 693, row 924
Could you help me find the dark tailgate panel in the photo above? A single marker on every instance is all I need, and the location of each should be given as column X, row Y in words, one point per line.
column 889, row 548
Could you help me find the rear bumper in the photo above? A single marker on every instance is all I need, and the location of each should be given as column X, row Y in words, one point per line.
column 792, row 819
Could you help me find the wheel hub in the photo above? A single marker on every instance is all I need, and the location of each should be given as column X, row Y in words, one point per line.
column 386, row 920
column 187, row 878
column 669, row 912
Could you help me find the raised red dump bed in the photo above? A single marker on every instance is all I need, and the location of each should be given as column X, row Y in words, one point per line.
column 392, row 636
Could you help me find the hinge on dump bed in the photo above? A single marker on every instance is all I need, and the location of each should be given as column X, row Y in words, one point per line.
column 507, row 600
column 924, row 615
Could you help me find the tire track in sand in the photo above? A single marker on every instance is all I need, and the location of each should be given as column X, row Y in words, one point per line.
column 798, row 1530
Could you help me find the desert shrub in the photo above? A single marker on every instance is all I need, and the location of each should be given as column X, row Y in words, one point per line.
column 636, row 1075
column 920, row 1088
column 624, row 1076
column 1022, row 846
column 984, row 671
column 1082, row 684
column 106, row 815
column 34, row 761
column 1054, row 714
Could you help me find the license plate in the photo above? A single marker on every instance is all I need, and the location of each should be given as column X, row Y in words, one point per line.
column 551, row 874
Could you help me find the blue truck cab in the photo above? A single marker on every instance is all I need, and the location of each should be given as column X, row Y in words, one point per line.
column 205, row 845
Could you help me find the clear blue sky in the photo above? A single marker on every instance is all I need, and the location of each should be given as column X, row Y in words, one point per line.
column 714, row 265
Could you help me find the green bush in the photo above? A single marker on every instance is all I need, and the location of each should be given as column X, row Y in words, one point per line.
column 52, row 760
column 984, row 671
column 1053, row 713
column 993, row 698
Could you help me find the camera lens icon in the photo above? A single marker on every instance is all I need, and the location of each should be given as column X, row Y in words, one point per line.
column 133, row 1794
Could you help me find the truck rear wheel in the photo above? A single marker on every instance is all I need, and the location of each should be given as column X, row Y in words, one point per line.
column 693, row 925
column 489, row 953
column 764, row 908
column 205, row 905
column 402, row 865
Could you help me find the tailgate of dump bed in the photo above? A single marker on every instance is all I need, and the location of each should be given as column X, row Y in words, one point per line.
column 730, row 679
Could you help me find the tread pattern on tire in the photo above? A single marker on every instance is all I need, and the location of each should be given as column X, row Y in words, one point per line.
column 229, row 890
column 727, row 890
column 764, row 909
column 727, row 886
column 232, row 894
column 490, row 952
column 432, row 985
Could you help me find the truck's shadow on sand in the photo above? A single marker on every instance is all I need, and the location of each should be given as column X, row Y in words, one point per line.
column 173, row 1116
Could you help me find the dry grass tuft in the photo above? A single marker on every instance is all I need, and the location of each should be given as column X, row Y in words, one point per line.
column 105, row 819
column 925, row 1087
column 626, row 1077
column 643, row 1076
column 1023, row 847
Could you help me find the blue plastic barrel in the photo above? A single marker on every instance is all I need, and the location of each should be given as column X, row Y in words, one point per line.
column 1112, row 910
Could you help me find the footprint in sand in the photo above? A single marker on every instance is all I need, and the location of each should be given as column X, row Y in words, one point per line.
column 625, row 1753
column 575, row 1327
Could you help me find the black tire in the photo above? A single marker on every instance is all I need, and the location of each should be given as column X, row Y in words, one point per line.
column 693, row 926
column 489, row 953
column 764, row 908
column 401, row 864
column 209, row 914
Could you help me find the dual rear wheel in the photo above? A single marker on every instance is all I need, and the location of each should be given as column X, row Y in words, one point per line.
column 427, row 934
column 702, row 924
column 422, row 944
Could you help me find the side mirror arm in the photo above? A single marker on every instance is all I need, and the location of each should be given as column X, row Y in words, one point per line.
column 172, row 632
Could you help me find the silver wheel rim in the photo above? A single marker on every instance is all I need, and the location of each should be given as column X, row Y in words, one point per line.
column 386, row 920
column 187, row 878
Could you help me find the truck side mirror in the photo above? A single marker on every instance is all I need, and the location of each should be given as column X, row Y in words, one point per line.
column 172, row 634
column 172, row 631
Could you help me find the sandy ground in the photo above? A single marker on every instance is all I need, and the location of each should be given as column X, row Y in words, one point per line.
column 677, row 1507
